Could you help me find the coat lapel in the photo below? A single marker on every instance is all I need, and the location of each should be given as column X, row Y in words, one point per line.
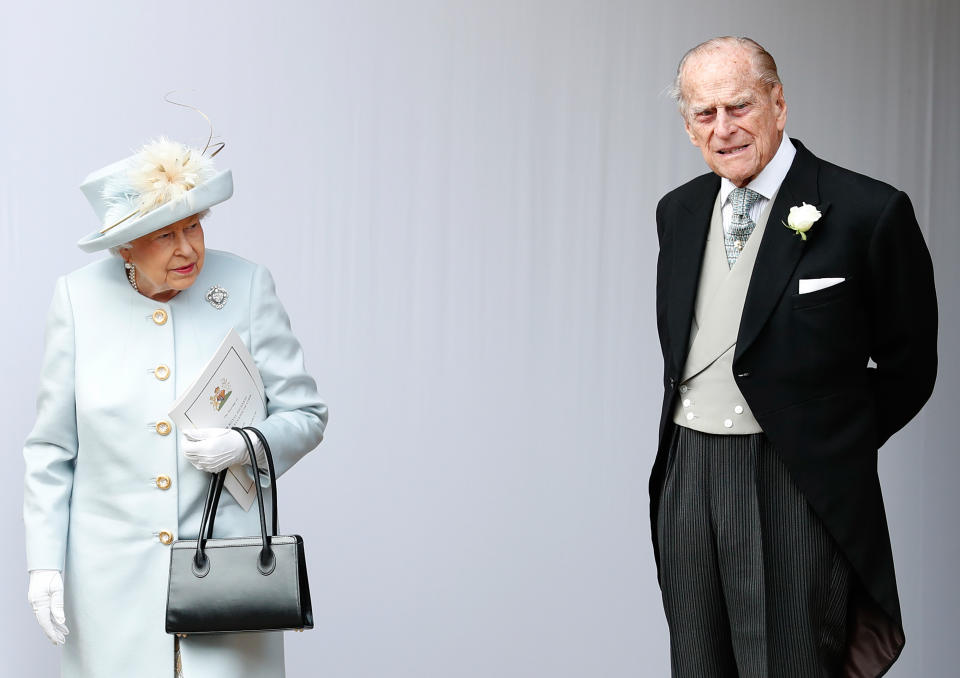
column 691, row 238
column 780, row 248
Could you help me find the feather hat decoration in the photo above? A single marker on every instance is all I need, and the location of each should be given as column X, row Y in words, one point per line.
column 162, row 171
column 163, row 182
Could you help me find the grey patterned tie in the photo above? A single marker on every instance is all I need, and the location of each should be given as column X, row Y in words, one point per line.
column 741, row 225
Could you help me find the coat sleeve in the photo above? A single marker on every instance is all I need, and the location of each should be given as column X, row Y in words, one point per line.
column 296, row 416
column 904, row 312
column 51, row 448
column 662, row 291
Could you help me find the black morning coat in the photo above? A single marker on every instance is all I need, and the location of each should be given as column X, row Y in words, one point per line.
column 801, row 361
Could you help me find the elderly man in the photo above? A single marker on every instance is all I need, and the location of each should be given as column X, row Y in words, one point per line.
column 780, row 277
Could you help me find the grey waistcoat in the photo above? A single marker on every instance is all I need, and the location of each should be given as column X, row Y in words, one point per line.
column 710, row 400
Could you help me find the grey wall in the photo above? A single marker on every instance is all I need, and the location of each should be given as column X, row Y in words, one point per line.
column 456, row 199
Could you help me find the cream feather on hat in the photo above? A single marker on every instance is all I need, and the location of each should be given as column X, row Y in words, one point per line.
column 164, row 182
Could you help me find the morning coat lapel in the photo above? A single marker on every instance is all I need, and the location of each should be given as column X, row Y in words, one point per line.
column 780, row 248
column 689, row 243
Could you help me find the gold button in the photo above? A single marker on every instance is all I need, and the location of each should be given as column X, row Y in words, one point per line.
column 161, row 372
column 163, row 428
column 163, row 482
column 160, row 316
column 165, row 538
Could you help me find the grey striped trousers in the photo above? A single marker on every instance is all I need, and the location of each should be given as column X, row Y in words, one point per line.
column 753, row 585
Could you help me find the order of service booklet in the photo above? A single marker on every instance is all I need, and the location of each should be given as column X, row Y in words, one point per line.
column 228, row 393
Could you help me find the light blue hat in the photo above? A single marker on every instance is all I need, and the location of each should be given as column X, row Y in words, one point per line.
column 161, row 184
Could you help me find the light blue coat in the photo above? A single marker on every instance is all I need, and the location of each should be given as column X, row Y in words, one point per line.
column 92, row 505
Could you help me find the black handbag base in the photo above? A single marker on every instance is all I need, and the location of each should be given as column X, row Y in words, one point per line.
column 232, row 592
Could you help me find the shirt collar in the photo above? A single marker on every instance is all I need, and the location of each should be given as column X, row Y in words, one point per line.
column 768, row 181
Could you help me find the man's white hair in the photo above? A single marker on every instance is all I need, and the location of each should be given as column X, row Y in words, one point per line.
column 764, row 66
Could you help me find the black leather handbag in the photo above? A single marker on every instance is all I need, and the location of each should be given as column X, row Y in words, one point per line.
column 239, row 583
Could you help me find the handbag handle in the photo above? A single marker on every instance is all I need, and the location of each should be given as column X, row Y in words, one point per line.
column 200, row 563
column 273, row 475
column 266, row 561
column 273, row 481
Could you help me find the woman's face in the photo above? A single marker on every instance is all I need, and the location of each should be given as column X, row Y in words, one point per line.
column 168, row 260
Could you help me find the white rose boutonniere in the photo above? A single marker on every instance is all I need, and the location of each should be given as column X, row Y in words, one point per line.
column 801, row 218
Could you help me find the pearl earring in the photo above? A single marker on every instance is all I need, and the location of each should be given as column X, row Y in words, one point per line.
column 131, row 275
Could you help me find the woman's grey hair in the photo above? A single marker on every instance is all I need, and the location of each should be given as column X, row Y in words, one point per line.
column 764, row 66
column 115, row 250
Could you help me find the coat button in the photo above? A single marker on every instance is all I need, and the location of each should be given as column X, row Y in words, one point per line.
column 687, row 402
column 728, row 423
column 738, row 409
column 165, row 538
column 161, row 372
column 690, row 416
column 160, row 316
column 684, row 388
column 163, row 428
column 163, row 482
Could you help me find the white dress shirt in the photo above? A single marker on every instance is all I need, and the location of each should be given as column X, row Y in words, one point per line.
column 767, row 183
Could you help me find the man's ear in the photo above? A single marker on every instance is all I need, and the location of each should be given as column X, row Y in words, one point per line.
column 686, row 126
column 781, row 106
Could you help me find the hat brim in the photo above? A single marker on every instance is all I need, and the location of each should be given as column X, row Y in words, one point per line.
column 215, row 190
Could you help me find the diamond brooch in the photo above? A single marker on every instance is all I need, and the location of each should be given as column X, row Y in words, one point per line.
column 217, row 296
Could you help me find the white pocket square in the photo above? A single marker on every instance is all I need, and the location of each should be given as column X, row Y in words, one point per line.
column 813, row 284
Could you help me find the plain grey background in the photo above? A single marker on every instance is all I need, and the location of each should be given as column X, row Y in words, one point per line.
column 457, row 201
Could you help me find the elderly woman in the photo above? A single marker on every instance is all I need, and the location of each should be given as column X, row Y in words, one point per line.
column 109, row 481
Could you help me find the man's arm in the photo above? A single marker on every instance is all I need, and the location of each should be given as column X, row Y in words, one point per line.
column 661, row 300
column 904, row 313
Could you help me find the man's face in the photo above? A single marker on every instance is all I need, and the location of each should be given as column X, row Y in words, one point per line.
column 735, row 121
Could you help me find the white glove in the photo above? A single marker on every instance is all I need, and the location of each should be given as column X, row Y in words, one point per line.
column 214, row 449
column 46, row 598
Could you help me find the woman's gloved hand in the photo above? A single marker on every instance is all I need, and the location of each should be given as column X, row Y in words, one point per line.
column 214, row 449
column 46, row 598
